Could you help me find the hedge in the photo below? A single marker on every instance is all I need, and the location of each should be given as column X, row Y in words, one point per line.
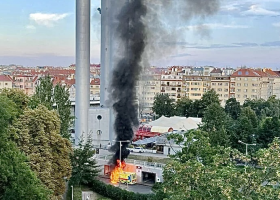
column 117, row 193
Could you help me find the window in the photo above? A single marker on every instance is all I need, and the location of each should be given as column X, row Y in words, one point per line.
column 226, row 95
column 240, row 73
column 226, row 84
column 153, row 88
column 245, row 79
column 238, row 79
column 246, row 84
column 226, row 90
column 245, row 90
column 232, row 96
column 247, row 73
column 254, row 90
column 238, row 90
column 195, row 94
column 220, row 89
column 6, row 83
column 220, row 83
column 238, row 96
column 213, row 83
column 239, row 84
column 245, row 96
column 254, row 96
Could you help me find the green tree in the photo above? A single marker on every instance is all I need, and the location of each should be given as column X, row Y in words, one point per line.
column 17, row 181
column 233, row 108
column 268, row 131
column 215, row 121
column 182, row 107
column 246, row 129
column 163, row 105
column 20, row 99
column 54, row 97
column 44, row 92
column 221, row 178
column 199, row 106
column 37, row 134
column 84, row 166
column 63, row 106
column 195, row 109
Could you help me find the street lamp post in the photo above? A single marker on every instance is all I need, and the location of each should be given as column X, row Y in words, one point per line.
column 246, row 150
column 72, row 192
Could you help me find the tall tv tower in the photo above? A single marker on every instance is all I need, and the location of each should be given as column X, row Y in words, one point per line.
column 82, row 73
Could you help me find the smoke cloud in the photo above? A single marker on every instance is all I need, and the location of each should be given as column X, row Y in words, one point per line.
column 146, row 28
column 132, row 33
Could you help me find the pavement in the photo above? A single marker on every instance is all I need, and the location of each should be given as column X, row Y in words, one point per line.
column 136, row 188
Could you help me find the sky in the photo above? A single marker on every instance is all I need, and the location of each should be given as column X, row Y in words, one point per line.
column 242, row 33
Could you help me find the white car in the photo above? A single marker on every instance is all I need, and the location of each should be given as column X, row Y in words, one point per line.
column 137, row 150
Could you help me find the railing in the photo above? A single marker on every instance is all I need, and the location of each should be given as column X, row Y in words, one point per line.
column 135, row 162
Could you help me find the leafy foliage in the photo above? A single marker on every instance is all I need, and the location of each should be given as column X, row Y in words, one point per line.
column 113, row 192
column 37, row 134
column 182, row 107
column 48, row 95
column 20, row 99
column 17, row 181
column 268, row 131
column 215, row 122
column 63, row 106
column 44, row 92
column 163, row 105
column 220, row 177
column 233, row 108
column 84, row 166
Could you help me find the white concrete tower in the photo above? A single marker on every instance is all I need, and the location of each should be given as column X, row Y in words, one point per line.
column 82, row 73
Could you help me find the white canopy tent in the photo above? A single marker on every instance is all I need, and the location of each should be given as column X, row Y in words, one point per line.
column 177, row 123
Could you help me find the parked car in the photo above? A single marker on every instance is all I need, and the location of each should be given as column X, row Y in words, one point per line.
column 136, row 150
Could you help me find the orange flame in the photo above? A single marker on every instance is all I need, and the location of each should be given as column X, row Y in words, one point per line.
column 115, row 174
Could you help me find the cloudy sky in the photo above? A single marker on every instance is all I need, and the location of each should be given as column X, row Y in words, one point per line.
column 243, row 32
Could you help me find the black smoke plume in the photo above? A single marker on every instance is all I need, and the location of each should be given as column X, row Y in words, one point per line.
column 132, row 33
column 147, row 29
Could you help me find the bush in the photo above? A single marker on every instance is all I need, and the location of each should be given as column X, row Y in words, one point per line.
column 117, row 193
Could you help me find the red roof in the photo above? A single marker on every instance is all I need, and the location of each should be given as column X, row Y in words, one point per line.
column 95, row 81
column 5, row 78
column 246, row 73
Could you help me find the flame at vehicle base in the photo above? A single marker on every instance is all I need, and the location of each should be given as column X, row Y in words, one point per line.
column 115, row 174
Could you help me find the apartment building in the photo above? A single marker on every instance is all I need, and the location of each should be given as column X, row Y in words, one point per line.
column 5, row 82
column 172, row 85
column 251, row 84
column 195, row 86
column 148, row 87
column 27, row 83
column 95, row 87
column 221, row 84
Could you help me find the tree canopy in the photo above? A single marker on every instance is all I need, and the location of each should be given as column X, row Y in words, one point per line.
column 37, row 134
column 220, row 177
column 17, row 180
column 84, row 166
column 54, row 97
column 163, row 105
